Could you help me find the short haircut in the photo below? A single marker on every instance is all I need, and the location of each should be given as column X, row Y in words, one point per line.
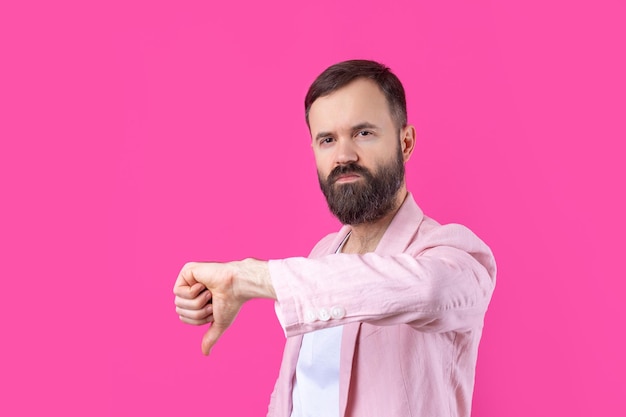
column 343, row 73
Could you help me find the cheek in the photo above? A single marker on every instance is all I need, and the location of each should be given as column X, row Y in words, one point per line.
column 322, row 173
column 323, row 165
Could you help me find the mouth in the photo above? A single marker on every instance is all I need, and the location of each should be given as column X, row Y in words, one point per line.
column 345, row 178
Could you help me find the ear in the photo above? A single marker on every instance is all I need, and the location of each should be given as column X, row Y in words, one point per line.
column 407, row 141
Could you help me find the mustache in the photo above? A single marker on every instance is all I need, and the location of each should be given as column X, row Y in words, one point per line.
column 351, row 168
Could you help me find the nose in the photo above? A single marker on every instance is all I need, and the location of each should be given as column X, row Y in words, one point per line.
column 345, row 152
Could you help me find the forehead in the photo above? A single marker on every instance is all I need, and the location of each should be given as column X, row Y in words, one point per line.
column 358, row 102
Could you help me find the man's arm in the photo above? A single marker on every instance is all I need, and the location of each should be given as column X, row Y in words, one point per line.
column 434, row 286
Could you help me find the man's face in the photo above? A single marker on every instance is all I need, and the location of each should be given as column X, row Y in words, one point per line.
column 357, row 146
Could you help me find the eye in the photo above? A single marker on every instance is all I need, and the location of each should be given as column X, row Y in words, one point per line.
column 327, row 140
column 364, row 133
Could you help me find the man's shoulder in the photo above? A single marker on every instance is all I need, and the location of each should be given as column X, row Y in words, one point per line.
column 434, row 233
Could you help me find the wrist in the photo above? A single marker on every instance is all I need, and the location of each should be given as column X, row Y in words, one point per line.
column 252, row 279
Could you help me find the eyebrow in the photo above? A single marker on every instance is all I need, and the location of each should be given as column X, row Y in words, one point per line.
column 364, row 125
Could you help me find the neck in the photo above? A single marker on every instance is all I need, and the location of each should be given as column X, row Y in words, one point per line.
column 364, row 237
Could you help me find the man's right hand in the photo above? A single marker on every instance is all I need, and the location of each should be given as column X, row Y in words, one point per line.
column 228, row 286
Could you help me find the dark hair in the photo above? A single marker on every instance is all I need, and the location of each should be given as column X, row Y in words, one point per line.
column 343, row 73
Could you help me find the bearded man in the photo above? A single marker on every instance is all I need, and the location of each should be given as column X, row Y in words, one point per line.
column 385, row 316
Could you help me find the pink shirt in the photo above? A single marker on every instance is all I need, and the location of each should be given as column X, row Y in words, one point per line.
column 412, row 313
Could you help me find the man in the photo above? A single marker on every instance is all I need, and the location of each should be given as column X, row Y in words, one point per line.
column 384, row 318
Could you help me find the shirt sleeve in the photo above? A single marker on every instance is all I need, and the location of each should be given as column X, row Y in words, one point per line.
column 442, row 282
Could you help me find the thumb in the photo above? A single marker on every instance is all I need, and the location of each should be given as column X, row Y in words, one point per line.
column 211, row 337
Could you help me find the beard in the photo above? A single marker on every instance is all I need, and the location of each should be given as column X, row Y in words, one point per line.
column 363, row 201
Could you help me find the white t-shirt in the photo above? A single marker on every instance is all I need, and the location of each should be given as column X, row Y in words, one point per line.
column 316, row 386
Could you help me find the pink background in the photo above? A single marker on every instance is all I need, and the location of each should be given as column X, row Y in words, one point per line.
column 137, row 136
